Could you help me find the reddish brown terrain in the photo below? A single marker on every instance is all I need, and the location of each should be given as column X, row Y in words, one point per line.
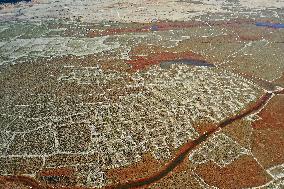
column 142, row 94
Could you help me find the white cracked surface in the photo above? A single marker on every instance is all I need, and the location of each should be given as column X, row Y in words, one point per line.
column 129, row 10
column 53, row 46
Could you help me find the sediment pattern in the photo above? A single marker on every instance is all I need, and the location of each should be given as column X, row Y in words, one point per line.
column 156, row 94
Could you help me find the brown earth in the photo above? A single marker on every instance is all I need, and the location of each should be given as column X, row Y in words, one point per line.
column 181, row 177
column 240, row 131
column 268, row 133
column 147, row 166
column 141, row 62
column 242, row 173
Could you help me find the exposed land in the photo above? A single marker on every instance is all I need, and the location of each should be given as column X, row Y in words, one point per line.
column 160, row 94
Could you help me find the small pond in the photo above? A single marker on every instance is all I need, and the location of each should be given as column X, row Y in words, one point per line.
column 12, row 1
column 270, row 25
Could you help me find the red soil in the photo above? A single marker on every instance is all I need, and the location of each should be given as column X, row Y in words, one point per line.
column 242, row 173
column 141, row 62
column 164, row 26
column 267, row 147
column 62, row 171
column 272, row 116
column 147, row 166
column 202, row 128
column 268, row 134
column 23, row 181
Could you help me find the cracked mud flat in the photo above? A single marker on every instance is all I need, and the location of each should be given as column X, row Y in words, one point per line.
column 160, row 94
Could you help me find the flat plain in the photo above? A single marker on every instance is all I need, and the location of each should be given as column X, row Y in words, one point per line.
column 142, row 94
